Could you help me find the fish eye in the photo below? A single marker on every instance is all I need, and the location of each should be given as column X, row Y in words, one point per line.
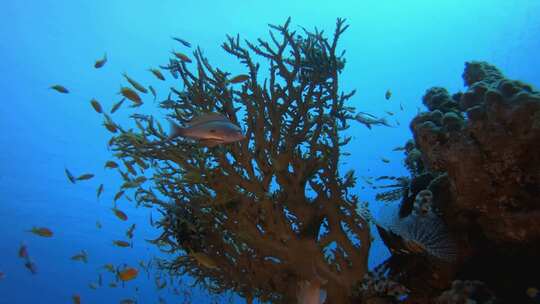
column 212, row 131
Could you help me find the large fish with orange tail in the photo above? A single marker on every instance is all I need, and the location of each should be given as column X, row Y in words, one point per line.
column 209, row 129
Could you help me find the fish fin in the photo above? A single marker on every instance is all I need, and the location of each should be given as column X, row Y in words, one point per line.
column 176, row 130
column 210, row 142
column 207, row 117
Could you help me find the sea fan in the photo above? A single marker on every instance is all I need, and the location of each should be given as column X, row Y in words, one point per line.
column 429, row 233
column 424, row 235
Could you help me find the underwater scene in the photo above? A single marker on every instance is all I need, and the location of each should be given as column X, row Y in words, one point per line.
column 292, row 152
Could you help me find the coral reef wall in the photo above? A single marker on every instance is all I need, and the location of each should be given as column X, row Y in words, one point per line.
column 487, row 140
column 478, row 152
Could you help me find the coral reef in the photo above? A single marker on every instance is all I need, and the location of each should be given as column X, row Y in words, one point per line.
column 478, row 155
column 467, row 292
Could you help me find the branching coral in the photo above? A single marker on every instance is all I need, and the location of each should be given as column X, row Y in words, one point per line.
column 245, row 207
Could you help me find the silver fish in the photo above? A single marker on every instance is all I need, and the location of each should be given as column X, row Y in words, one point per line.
column 210, row 129
column 368, row 121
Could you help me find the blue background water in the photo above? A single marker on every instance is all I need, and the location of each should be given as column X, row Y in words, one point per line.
column 407, row 46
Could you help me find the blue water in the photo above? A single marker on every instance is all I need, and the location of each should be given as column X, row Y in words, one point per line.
column 407, row 46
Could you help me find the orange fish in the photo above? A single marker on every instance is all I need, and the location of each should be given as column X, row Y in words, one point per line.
column 70, row 176
column 101, row 62
column 41, row 231
column 388, row 94
column 239, row 78
column 129, row 232
column 76, row 299
column 131, row 95
column 181, row 56
column 128, row 273
column 59, row 89
column 117, row 105
column 99, row 190
column 157, row 73
column 135, row 84
column 31, row 266
column 85, row 176
column 118, row 195
column 119, row 214
column 23, row 251
column 95, row 104
column 111, row 164
column 121, row 243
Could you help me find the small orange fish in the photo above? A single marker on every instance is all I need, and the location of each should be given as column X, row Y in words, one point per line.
column 239, row 78
column 23, row 251
column 60, row 89
column 131, row 95
column 129, row 232
column 101, row 62
column 118, row 195
column 157, row 73
column 81, row 257
column 117, row 105
column 76, row 299
column 128, row 273
column 153, row 91
column 95, row 104
column 119, row 214
column 85, row 176
column 111, row 164
column 31, row 266
column 388, row 94
column 121, row 243
column 41, row 231
column 181, row 56
column 99, row 190
column 182, row 41
column 109, row 124
column 70, row 176
column 135, row 84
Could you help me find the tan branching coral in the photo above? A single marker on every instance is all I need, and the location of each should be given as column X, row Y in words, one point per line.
column 256, row 216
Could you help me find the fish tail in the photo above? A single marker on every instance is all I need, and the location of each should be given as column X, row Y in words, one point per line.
column 176, row 130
